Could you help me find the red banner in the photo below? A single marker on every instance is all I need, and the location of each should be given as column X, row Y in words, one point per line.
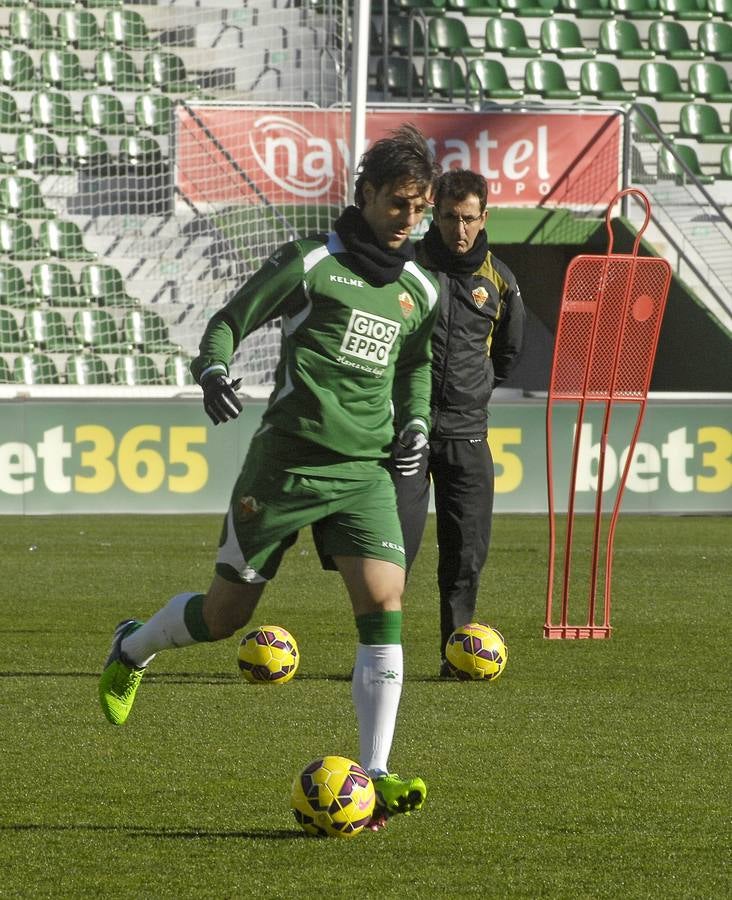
column 288, row 155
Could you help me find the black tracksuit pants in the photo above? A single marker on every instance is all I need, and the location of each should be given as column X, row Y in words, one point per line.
column 463, row 476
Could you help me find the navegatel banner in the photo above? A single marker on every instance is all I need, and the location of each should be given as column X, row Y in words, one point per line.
column 530, row 158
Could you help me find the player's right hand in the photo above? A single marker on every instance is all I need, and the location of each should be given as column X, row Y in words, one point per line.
column 219, row 398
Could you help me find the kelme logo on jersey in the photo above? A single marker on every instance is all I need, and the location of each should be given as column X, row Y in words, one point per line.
column 406, row 302
column 370, row 337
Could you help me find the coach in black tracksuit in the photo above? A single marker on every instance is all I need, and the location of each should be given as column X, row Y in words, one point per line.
column 475, row 344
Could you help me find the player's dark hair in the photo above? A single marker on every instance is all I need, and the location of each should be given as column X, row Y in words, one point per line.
column 404, row 154
column 458, row 184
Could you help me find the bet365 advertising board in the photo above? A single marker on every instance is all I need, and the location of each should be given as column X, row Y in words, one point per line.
column 163, row 456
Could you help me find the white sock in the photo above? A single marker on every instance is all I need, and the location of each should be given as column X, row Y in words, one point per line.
column 164, row 630
column 376, row 688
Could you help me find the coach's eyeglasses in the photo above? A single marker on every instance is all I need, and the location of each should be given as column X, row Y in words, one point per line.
column 452, row 219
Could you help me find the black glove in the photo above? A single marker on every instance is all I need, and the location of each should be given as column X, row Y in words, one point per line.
column 409, row 449
column 219, row 399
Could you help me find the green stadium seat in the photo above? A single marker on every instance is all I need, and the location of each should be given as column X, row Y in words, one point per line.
column 715, row 39
column 63, row 239
column 37, row 151
column 721, row 9
column 18, row 71
column 45, row 329
column 103, row 284
column 684, row 10
column 673, row 159
column 20, row 195
column 710, row 81
column 78, row 28
column 644, row 123
column 103, row 4
column 13, row 288
column 167, row 72
column 146, row 330
column 105, row 113
column 55, row 4
column 493, row 78
column 546, row 78
column 587, row 9
column 154, row 113
column 141, row 154
column 11, row 336
column 97, row 329
column 636, row 9
column 482, row 8
column 725, row 164
column 53, row 283
column 602, row 80
column 620, row 37
column 702, row 123
column 444, row 77
column 87, row 368
column 89, row 152
column 399, row 28
column 671, row 39
column 10, row 118
column 33, row 28
column 449, row 36
column 116, row 69
column 435, row 8
column 176, row 370
column 139, row 369
column 35, row 368
column 397, row 81
column 62, row 70
column 529, row 8
column 127, row 28
column 17, row 241
column 563, row 38
column 661, row 80
column 508, row 37
column 6, row 375
column 53, row 110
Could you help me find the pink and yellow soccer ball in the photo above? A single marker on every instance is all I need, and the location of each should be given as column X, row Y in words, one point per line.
column 333, row 797
column 268, row 655
column 476, row 652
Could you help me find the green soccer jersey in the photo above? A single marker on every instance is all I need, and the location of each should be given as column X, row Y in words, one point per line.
column 349, row 351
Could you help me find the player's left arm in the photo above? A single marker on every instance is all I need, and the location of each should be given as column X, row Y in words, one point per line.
column 508, row 339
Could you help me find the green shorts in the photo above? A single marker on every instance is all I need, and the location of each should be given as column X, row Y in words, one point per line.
column 268, row 508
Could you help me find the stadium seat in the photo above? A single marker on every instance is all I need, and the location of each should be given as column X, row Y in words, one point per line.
column 434, row 8
column 78, row 28
column 702, row 123
column 127, row 28
column 97, row 329
column 116, row 69
column 154, row 113
column 642, row 119
column 715, row 39
column 671, row 39
column 141, row 154
column 20, row 195
column 37, row 151
column 529, row 8
column 135, row 370
column 6, row 375
column 725, row 164
column 55, row 4
column 45, row 329
column 167, row 72
column 397, row 82
column 62, row 70
column 602, row 80
column 508, row 37
column 104, row 4
column 146, row 330
column 482, row 8
column 399, row 28
column 10, row 119
column 492, row 75
column 105, row 113
column 636, row 9
column 620, row 37
column 53, row 283
column 661, row 80
column 177, row 371
column 63, row 239
column 448, row 35
column 103, row 284
column 710, row 81
column 87, row 368
column 563, row 38
column 444, row 77
column 17, row 241
column 684, row 10
column 89, row 152
column 53, row 110
column 546, row 78
column 721, row 9
column 671, row 162
column 13, row 288
column 33, row 28
column 17, row 70
column 11, row 336
column 587, row 9
column 35, row 368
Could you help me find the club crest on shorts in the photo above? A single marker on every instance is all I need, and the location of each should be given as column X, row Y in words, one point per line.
column 248, row 508
column 480, row 295
column 406, row 302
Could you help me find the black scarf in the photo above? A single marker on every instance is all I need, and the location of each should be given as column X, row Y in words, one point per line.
column 455, row 263
column 368, row 259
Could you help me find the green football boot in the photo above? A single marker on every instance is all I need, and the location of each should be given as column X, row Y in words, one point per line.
column 399, row 795
column 120, row 678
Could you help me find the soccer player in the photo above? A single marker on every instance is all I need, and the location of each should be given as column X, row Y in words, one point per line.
column 357, row 314
column 476, row 342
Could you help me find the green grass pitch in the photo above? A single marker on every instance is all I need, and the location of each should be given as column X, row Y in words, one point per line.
column 589, row 769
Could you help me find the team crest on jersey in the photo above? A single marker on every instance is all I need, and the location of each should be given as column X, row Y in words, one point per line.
column 406, row 302
column 248, row 508
column 480, row 295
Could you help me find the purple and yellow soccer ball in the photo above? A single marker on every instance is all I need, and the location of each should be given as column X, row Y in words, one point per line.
column 476, row 652
column 333, row 797
column 268, row 655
